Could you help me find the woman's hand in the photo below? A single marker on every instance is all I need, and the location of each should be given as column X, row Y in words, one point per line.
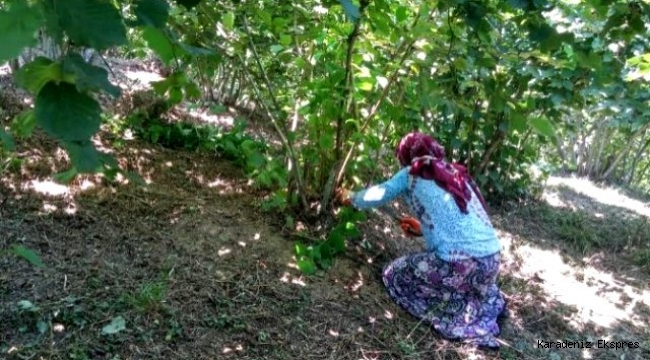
column 344, row 197
column 410, row 226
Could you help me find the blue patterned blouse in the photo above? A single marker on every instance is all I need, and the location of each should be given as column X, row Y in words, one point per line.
column 446, row 230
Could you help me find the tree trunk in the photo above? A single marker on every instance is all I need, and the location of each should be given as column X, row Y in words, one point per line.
column 624, row 152
column 635, row 162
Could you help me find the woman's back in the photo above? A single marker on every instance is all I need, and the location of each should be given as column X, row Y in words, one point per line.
column 448, row 231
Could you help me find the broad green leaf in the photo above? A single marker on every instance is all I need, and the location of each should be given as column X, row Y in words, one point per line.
column 192, row 91
column 228, row 20
column 152, row 13
column 84, row 157
column 189, row 4
column 65, row 177
column 256, row 160
column 7, row 140
column 91, row 23
column 285, row 39
column 542, row 126
column 401, row 14
column 29, row 255
column 175, row 95
column 161, row 87
column 34, row 75
column 158, row 42
column 18, row 26
column 115, row 326
column 518, row 123
column 66, row 114
column 87, row 76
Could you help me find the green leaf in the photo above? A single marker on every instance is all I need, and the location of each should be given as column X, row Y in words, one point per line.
column 306, row 265
column 115, row 326
column 542, row 126
column 275, row 49
column 42, row 327
column 192, row 91
column 285, row 39
column 84, row 156
column 29, row 255
column 158, row 42
column 256, row 160
column 65, row 177
column 300, row 249
column 189, row 4
column 337, row 242
column 34, row 75
column 366, row 86
column 7, row 140
column 26, row 305
column 24, row 123
column 175, row 95
column 152, row 13
column 91, row 23
column 66, row 114
column 401, row 14
column 518, row 123
column 326, row 141
column 161, row 87
column 228, row 20
column 87, row 76
column 18, row 26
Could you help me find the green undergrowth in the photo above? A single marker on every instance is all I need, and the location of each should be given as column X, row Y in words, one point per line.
column 256, row 157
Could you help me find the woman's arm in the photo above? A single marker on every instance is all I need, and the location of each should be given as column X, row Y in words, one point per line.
column 378, row 195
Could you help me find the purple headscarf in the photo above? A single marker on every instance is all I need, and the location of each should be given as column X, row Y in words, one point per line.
column 427, row 160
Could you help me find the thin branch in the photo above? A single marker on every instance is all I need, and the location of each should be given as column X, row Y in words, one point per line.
column 283, row 138
column 405, row 49
column 265, row 78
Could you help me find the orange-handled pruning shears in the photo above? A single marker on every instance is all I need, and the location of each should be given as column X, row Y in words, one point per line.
column 410, row 225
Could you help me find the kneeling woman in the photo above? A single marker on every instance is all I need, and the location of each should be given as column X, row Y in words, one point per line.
column 453, row 285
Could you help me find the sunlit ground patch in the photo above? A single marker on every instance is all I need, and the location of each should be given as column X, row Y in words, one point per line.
column 597, row 295
column 606, row 196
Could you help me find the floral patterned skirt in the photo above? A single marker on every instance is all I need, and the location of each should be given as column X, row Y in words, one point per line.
column 459, row 299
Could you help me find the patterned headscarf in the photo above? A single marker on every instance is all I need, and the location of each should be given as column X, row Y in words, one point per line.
column 427, row 160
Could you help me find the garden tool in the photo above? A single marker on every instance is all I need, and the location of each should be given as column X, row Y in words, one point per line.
column 410, row 225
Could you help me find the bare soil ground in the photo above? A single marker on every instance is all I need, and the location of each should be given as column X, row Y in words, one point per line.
column 195, row 270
